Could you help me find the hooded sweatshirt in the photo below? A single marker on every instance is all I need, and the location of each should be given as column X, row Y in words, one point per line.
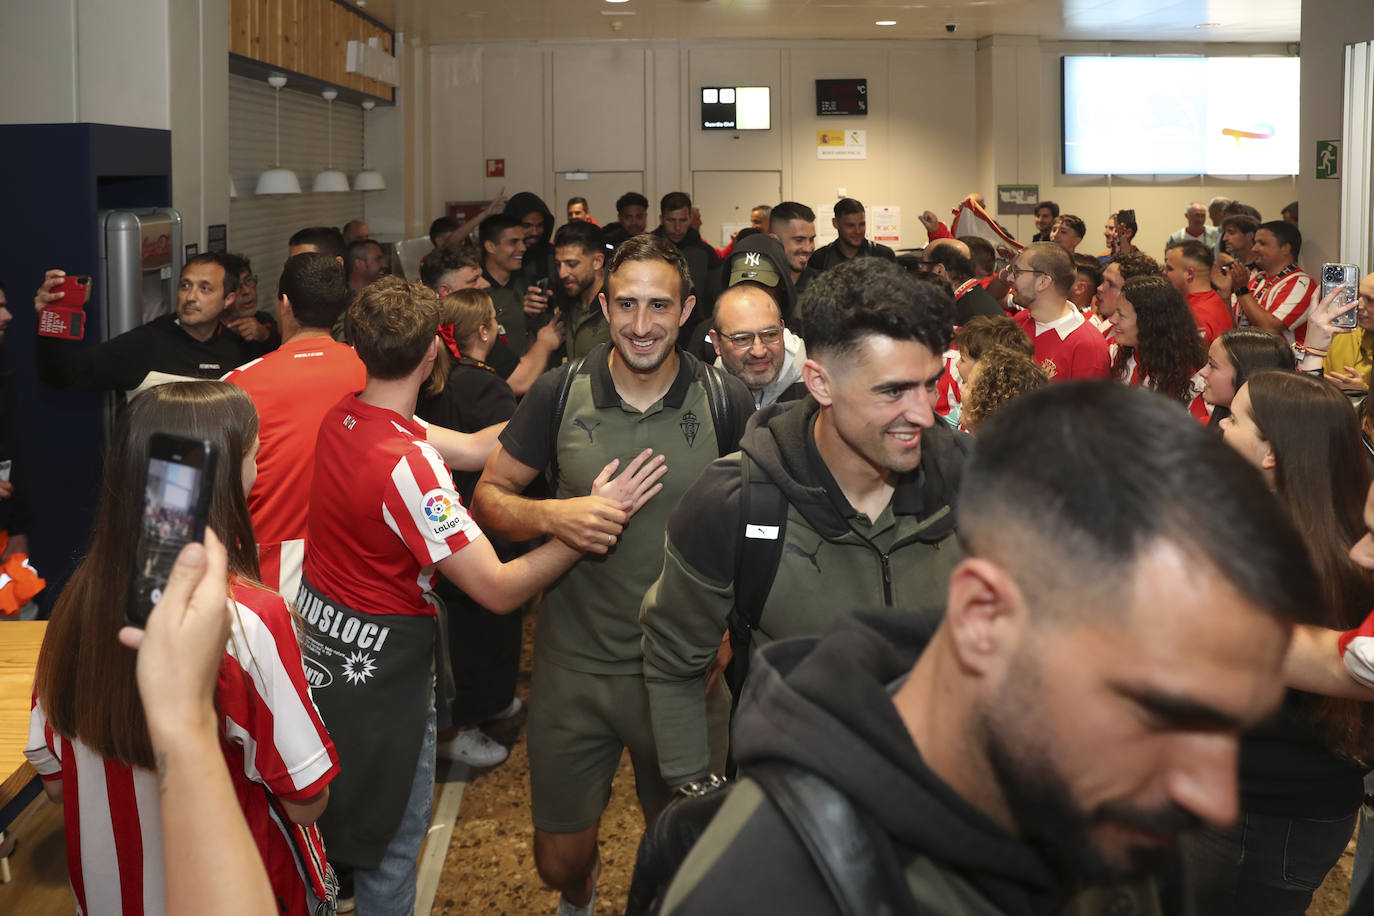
column 825, row 705
column 539, row 257
column 833, row 560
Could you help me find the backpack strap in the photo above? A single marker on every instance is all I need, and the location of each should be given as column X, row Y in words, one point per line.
column 758, row 551
column 851, row 851
column 724, row 418
column 560, row 404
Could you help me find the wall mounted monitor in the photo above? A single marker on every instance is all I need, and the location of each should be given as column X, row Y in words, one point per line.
column 735, row 108
column 1180, row 115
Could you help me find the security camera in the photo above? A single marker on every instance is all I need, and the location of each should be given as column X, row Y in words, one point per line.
column 951, row 27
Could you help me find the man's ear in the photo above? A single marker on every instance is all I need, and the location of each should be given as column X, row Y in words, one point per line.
column 686, row 310
column 284, row 307
column 715, row 341
column 598, row 261
column 986, row 616
column 605, row 306
column 818, row 382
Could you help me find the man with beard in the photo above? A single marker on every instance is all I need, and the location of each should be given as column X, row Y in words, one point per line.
column 675, row 225
column 851, row 225
column 575, row 299
column 631, row 214
column 1066, row 345
column 1039, row 748
column 588, row 699
column 869, row 480
column 794, row 225
column 536, row 220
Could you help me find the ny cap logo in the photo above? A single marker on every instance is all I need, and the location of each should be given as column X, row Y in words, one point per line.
column 751, row 259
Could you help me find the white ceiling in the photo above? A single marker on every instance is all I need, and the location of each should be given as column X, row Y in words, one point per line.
column 452, row 21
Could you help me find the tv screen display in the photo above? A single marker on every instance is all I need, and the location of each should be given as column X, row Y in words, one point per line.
column 735, row 108
column 1180, row 115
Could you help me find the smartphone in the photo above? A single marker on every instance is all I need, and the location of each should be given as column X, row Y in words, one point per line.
column 543, row 285
column 176, row 504
column 1347, row 278
column 63, row 318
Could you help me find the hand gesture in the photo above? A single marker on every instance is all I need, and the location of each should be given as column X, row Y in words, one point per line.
column 592, row 524
column 536, row 301
column 1332, row 305
column 550, row 335
column 498, row 203
column 179, row 652
column 45, row 295
column 250, row 329
column 636, row 485
column 1240, row 278
column 1220, row 278
column 929, row 220
column 1349, row 380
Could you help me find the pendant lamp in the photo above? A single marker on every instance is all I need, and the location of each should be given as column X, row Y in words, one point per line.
column 368, row 179
column 331, row 180
column 278, row 180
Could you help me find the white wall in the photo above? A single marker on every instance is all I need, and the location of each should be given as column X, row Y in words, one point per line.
column 1327, row 27
column 632, row 106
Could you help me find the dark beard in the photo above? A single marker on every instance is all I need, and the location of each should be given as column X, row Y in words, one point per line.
column 1046, row 814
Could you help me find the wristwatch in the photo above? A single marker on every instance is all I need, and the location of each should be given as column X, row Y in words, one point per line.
column 699, row 787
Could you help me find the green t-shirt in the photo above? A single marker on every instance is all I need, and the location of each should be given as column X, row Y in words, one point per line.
column 590, row 617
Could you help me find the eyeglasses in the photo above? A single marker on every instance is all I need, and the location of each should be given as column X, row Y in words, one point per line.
column 1011, row 270
column 744, row 340
column 250, row 280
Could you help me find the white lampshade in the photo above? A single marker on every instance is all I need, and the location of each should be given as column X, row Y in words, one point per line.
column 278, row 181
column 330, row 181
column 369, row 180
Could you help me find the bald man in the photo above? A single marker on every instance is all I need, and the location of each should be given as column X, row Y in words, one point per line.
column 951, row 259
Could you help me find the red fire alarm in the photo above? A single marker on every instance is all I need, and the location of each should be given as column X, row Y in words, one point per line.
column 496, row 168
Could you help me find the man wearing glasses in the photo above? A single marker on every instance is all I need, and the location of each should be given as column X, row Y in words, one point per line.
column 748, row 331
column 257, row 328
column 1066, row 345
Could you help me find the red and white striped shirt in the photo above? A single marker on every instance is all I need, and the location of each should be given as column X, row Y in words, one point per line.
column 272, row 739
column 292, row 388
column 1287, row 295
column 383, row 512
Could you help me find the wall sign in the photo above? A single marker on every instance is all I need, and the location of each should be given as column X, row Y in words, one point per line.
column 841, row 144
column 842, row 97
column 1328, row 159
column 1017, row 199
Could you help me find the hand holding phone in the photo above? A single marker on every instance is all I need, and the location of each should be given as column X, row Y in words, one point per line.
column 1346, row 278
column 60, row 302
column 176, row 505
column 537, row 298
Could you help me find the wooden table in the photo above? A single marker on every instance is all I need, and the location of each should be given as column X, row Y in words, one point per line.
column 19, row 644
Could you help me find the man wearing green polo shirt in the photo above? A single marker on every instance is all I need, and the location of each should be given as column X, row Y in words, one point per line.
column 588, row 696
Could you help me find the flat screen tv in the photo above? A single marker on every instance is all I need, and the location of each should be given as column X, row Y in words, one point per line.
column 1180, row 115
column 735, row 108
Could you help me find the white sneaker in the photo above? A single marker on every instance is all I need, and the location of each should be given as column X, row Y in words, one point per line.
column 567, row 909
column 510, row 711
column 473, row 747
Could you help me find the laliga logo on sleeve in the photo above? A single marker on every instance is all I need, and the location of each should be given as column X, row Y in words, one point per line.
column 440, row 512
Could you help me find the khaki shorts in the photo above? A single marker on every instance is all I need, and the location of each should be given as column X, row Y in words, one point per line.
column 578, row 725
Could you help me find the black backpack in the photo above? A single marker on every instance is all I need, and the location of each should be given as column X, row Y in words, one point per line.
column 762, row 535
column 852, row 852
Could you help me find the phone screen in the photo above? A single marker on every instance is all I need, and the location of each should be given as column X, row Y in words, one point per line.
column 176, row 502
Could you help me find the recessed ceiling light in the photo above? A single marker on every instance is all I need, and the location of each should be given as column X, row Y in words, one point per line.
column 886, row 22
column 617, row 1
column 1207, row 25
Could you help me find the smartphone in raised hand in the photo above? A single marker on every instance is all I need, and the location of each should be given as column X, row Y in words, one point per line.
column 176, row 505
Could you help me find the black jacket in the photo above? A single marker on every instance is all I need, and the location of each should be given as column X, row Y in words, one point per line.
column 828, row 256
column 977, row 301
column 158, row 346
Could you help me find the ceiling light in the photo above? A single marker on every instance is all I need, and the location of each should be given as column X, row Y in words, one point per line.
column 278, row 180
column 331, row 180
column 886, row 22
column 368, row 179
column 617, row 1
column 1207, row 25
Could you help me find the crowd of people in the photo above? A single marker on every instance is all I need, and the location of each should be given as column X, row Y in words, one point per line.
column 1044, row 575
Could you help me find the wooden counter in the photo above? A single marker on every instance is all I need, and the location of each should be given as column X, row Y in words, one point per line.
column 19, row 644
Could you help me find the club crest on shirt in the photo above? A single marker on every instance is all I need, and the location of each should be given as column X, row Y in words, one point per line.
column 689, row 424
column 1050, row 368
column 441, row 512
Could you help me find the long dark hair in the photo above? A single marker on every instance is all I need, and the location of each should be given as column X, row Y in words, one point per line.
column 85, row 678
column 1251, row 350
column 1321, row 476
column 1168, row 348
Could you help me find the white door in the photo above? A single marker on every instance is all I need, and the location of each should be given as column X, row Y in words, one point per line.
column 601, row 189
column 725, row 199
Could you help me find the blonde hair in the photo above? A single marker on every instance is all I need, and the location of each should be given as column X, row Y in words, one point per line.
column 467, row 311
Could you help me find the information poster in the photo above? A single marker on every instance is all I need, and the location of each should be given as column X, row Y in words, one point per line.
column 841, row 144
column 885, row 225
